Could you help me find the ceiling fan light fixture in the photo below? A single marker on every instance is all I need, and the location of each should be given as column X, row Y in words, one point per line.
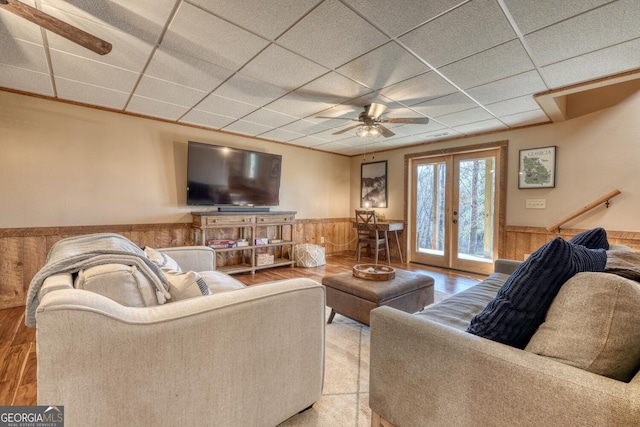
column 367, row 132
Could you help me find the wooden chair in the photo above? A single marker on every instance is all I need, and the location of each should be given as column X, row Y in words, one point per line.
column 368, row 234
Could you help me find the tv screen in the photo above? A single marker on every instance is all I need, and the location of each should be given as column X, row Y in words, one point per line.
column 226, row 176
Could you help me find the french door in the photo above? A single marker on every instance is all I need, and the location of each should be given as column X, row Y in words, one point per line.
column 454, row 211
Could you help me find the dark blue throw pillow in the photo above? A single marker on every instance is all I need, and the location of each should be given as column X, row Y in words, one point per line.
column 520, row 306
column 596, row 238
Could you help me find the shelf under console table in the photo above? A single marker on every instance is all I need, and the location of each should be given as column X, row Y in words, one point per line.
column 276, row 231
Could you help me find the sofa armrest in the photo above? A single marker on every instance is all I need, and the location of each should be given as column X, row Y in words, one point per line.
column 252, row 357
column 506, row 266
column 192, row 258
column 427, row 374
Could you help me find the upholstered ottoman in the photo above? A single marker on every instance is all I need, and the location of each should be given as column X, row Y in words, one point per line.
column 355, row 298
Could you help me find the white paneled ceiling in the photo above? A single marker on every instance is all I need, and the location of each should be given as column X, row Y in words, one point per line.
column 268, row 68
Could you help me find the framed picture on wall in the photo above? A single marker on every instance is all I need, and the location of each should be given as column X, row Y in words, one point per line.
column 373, row 185
column 537, row 168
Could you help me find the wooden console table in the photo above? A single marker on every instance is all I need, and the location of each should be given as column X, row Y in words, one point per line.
column 386, row 227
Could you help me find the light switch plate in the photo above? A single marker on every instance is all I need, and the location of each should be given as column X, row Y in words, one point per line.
column 536, row 204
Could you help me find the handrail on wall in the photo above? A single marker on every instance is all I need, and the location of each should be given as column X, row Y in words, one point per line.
column 603, row 199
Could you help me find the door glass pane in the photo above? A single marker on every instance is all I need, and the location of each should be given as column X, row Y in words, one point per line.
column 475, row 218
column 430, row 206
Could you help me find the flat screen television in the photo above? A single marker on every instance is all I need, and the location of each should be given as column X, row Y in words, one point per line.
column 226, row 176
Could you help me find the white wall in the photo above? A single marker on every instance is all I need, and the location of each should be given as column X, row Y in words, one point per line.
column 596, row 154
column 64, row 165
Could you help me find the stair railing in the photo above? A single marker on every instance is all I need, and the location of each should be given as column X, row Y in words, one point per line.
column 604, row 199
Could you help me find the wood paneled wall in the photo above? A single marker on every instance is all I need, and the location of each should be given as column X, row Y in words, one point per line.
column 23, row 251
column 522, row 241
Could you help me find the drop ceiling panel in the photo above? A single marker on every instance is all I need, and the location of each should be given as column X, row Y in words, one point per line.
column 210, row 120
column 526, row 118
column 143, row 19
column 332, row 35
column 445, row 40
column 618, row 58
column 511, row 87
column 152, row 107
column 281, row 135
column 465, row 117
column 274, row 17
column 162, row 90
column 445, row 105
column 383, row 66
column 332, row 88
column 531, row 16
column 304, row 127
column 185, row 70
column 14, row 26
column 94, row 73
column 483, row 126
column 128, row 52
column 282, row 68
column 202, row 35
column 493, row 64
column 27, row 55
column 298, row 105
column 247, row 128
column 88, row 94
column 269, row 118
column 249, row 90
column 395, row 20
column 419, row 89
column 225, row 106
column 512, row 106
column 584, row 33
column 26, row 80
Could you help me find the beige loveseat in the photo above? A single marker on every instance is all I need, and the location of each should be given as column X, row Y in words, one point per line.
column 243, row 356
column 426, row 370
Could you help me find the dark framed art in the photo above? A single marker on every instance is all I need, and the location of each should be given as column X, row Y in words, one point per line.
column 373, row 185
column 537, row 168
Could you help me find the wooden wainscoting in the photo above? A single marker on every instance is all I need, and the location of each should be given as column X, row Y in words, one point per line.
column 521, row 241
column 23, row 251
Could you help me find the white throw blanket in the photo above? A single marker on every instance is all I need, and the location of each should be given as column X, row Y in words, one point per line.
column 76, row 253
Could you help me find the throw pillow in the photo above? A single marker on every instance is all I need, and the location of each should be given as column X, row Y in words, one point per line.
column 595, row 238
column 521, row 304
column 592, row 324
column 185, row 285
column 122, row 283
column 162, row 260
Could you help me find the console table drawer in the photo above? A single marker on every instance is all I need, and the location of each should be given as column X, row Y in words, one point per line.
column 274, row 219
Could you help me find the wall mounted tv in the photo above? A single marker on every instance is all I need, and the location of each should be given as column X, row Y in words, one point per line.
column 225, row 176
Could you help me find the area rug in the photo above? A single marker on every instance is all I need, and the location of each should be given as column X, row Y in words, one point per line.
column 345, row 396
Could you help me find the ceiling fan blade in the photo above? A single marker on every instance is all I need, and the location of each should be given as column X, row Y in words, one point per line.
column 336, row 118
column 412, row 120
column 57, row 26
column 374, row 110
column 346, row 129
column 384, row 131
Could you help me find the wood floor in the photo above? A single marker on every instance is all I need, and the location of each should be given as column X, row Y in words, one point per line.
column 18, row 343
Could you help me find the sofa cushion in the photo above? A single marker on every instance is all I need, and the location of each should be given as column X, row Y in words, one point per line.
column 183, row 285
column 596, row 238
column 521, row 304
column 162, row 260
column 121, row 283
column 218, row 281
column 593, row 324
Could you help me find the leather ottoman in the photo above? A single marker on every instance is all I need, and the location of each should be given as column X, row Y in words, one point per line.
column 355, row 298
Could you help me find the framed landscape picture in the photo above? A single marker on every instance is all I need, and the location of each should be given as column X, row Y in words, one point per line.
column 537, row 168
column 373, row 185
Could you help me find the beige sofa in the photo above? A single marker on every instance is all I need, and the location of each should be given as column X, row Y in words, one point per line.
column 426, row 370
column 244, row 356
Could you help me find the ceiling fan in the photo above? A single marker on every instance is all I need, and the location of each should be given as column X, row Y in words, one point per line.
column 371, row 122
column 57, row 26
